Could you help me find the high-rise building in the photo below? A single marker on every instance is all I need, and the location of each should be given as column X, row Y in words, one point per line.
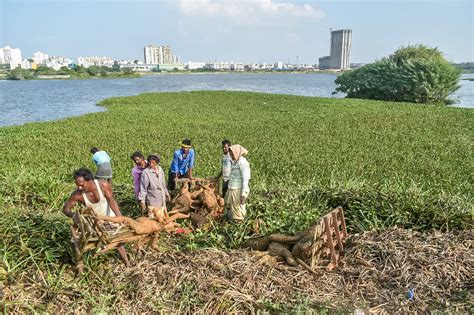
column 152, row 54
column 11, row 56
column 159, row 55
column 166, row 54
column 341, row 41
column 40, row 58
column 325, row 63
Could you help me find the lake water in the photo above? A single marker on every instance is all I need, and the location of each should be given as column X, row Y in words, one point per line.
column 44, row 100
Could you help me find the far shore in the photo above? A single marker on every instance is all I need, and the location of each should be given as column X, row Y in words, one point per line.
column 147, row 74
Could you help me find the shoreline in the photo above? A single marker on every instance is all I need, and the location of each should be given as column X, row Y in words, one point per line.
column 101, row 105
column 148, row 74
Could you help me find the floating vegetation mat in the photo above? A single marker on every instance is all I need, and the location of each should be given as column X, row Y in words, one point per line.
column 392, row 271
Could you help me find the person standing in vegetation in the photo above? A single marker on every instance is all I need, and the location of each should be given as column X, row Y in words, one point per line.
column 102, row 160
column 182, row 164
column 238, row 190
column 97, row 195
column 137, row 170
column 153, row 193
column 226, row 166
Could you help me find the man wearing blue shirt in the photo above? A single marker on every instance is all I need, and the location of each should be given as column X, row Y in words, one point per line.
column 102, row 160
column 182, row 164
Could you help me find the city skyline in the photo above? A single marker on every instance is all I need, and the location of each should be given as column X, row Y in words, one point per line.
column 260, row 31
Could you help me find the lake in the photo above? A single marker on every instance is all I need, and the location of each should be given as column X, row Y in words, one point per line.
column 44, row 100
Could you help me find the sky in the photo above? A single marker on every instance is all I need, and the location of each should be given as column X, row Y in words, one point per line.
column 235, row 30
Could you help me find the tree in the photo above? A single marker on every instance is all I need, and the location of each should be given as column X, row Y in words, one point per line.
column 19, row 74
column 127, row 70
column 64, row 71
column 42, row 70
column 93, row 70
column 81, row 70
column 417, row 74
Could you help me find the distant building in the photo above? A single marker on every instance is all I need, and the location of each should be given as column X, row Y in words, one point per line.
column 341, row 41
column 170, row 67
column 357, row 65
column 95, row 61
column 11, row 56
column 159, row 55
column 40, row 58
column 195, row 65
column 58, row 62
column 137, row 66
column 219, row 66
column 325, row 63
column 25, row 64
column 340, row 51
column 238, row 66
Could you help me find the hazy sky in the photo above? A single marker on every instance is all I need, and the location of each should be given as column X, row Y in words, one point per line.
column 233, row 30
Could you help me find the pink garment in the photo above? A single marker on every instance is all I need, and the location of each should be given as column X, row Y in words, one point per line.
column 238, row 151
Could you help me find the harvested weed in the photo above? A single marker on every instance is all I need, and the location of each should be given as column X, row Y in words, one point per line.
column 379, row 271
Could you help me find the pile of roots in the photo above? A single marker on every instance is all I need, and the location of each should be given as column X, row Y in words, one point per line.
column 392, row 271
column 202, row 203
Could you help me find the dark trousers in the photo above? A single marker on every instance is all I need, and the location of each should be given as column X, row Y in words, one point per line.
column 225, row 186
column 171, row 182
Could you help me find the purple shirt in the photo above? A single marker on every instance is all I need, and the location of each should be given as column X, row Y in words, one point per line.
column 137, row 171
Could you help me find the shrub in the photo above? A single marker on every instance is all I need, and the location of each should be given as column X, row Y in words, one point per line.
column 19, row 74
column 416, row 74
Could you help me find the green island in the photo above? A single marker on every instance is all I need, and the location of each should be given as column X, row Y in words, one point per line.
column 66, row 73
column 388, row 164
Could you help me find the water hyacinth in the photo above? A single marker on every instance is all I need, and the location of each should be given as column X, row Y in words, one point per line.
column 388, row 164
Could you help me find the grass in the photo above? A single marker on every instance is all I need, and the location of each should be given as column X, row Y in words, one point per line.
column 386, row 163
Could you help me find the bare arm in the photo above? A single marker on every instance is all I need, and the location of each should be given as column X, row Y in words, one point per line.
column 71, row 203
column 109, row 196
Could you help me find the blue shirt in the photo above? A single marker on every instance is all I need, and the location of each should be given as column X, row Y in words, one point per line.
column 100, row 157
column 181, row 164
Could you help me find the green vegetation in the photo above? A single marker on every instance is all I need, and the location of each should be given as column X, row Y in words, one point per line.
column 78, row 72
column 387, row 164
column 466, row 67
column 416, row 74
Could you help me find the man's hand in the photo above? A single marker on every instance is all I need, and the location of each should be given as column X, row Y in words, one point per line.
column 168, row 197
column 242, row 200
column 143, row 205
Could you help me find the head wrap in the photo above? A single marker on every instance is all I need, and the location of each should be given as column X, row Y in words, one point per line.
column 186, row 143
column 238, row 151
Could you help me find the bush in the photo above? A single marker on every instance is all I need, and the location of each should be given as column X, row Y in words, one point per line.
column 19, row 74
column 416, row 74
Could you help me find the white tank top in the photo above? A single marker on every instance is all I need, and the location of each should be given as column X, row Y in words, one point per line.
column 102, row 206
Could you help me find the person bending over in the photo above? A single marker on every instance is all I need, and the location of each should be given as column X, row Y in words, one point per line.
column 102, row 160
column 97, row 195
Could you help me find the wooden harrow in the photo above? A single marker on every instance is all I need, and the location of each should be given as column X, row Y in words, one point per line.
column 328, row 240
column 89, row 233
